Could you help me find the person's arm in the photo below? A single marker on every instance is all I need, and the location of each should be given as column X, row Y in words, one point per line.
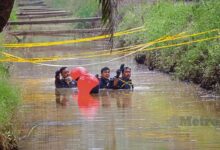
column 115, row 84
column 57, row 78
column 132, row 85
column 70, row 82
column 95, row 90
column 116, row 79
column 57, row 75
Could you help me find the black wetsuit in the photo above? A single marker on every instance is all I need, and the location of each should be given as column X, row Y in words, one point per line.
column 103, row 84
column 124, row 83
column 61, row 83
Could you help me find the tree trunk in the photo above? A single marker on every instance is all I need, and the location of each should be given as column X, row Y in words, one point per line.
column 5, row 11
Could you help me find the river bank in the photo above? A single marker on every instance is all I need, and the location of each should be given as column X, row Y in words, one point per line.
column 10, row 99
column 197, row 62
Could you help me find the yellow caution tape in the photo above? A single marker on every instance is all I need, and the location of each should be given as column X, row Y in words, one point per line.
column 132, row 49
column 45, row 44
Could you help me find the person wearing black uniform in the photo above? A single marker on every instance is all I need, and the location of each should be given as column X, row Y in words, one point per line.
column 63, row 84
column 123, row 82
column 104, row 81
column 63, row 79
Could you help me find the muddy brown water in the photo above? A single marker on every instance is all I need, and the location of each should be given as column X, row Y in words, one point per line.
column 160, row 114
column 153, row 116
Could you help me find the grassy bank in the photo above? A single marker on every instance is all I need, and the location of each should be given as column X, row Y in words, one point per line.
column 82, row 8
column 197, row 62
column 79, row 9
column 9, row 101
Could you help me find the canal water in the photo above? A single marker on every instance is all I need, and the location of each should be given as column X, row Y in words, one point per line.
column 159, row 114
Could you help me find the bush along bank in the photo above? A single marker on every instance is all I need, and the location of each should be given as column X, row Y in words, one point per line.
column 197, row 62
column 80, row 9
column 9, row 102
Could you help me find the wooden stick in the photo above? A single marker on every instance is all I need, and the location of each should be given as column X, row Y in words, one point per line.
column 55, row 32
column 39, row 3
column 34, row 7
column 54, row 21
column 41, row 13
column 25, row 1
column 37, row 10
column 43, row 16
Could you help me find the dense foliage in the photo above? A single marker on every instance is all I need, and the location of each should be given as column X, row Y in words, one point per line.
column 197, row 62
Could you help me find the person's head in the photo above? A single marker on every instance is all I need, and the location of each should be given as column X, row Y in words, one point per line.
column 126, row 72
column 64, row 72
column 105, row 72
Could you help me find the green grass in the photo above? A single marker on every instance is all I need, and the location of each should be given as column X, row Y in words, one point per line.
column 198, row 62
column 13, row 16
column 79, row 8
column 9, row 97
column 9, row 100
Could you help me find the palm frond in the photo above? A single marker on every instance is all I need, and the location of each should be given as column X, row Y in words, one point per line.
column 109, row 16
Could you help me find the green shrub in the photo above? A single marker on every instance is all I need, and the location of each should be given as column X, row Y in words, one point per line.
column 9, row 95
column 13, row 16
column 79, row 8
column 9, row 100
column 197, row 62
column 166, row 18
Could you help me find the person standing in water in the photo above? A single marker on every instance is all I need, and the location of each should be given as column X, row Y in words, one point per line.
column 104, row 81
column 63, row 79
column 125, row 81
column 63, row 83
